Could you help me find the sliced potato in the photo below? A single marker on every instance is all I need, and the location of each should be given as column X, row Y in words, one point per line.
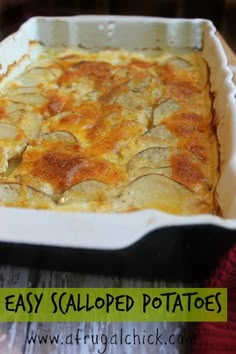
column 155, row 191
column 8, row 131
column 180, row 165
column 16, row 194
column 60, row 136
column 10, row 193
column 32, row 98
column 155, row 94
column 12, row 139
column 28, row 80
column 13, row 106
column 3, row 160
column 54, row 119
column 70, row 58
column 34, row 183
column 12, row 165
column 84, row 86
column 120, row 76
column 132, row 100
column 16, row 116
column 36, row 75
column 164, row 110
column 180, row 62
column 86, row 191
column 159, row 136
column 55, row 70
column 30, row 123
column 90, row 96
column 41, row 71
column 139, row 85
column 22, row 90
column 140, row 96
column 151, row 159
column 39, row 200
column 141, row 116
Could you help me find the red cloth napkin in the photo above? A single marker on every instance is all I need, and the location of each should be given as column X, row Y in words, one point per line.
column 220, row 338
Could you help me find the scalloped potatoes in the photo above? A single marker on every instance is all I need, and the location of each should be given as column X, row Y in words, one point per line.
column 109, row 131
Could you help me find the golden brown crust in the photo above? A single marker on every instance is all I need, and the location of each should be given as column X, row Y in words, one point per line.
column 64, row 167
column 86, row 116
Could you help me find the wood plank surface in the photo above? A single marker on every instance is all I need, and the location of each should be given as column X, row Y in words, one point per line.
column 13, row 335
column 58, row 279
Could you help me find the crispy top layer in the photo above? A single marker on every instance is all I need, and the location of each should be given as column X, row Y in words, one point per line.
column 94, row 129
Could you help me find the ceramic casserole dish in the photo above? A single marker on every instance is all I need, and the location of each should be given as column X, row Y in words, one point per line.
column 109, row 230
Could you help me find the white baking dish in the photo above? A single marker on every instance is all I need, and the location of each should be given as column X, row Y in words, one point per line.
column 114, row 231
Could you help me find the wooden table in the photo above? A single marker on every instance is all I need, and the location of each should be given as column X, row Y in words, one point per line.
column 13, row 336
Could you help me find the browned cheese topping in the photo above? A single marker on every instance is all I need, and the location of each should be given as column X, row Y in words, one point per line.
column 109, row 131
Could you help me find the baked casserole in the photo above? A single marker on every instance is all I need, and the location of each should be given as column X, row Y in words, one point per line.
column 109, row 131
